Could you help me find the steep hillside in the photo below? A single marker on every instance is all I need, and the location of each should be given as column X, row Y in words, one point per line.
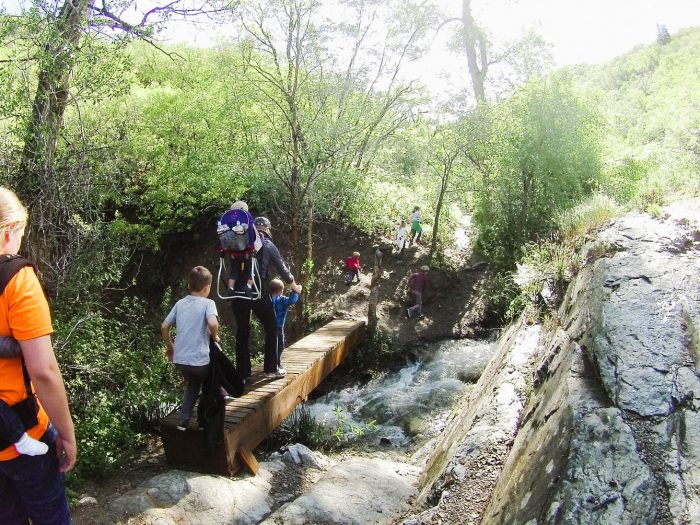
column 650, row 98
column 455, row 304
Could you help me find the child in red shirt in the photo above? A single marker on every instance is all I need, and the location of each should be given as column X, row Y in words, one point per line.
column 352, row 264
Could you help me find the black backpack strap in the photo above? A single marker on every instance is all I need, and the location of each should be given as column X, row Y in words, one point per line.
column 27, row 409
column 9, row 266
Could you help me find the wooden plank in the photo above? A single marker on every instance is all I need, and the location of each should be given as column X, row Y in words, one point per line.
column 248, row 460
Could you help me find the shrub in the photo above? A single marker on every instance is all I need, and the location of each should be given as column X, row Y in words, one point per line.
column 544, row 159
column 118, row 381
column 587, row 216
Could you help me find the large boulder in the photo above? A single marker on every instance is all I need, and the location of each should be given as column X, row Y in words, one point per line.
column 609, row 435
column 360, row 491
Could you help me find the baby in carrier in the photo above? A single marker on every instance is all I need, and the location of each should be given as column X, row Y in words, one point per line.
column 12, row 431
column 238, row 238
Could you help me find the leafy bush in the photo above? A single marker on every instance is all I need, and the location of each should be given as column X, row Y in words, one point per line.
column 376, row 352
column 118, row 381
column 545, row 158
column 620, row 180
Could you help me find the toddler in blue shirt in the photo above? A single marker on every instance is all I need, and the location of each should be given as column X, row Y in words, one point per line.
column 281, row 304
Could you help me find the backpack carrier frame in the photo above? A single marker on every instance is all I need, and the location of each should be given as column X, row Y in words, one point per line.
column 238, row 239
column 257, row 285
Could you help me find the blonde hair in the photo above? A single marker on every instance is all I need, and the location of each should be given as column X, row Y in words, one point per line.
column 239, row 205
column 12, row 211
column 355, row 254
column 275, row 286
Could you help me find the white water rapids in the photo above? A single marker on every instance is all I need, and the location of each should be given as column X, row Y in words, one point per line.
column 411, row 403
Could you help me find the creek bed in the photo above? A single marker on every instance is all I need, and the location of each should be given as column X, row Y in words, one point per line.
column 410, row 405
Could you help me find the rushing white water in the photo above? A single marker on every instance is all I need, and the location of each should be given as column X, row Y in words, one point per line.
column 413, row 401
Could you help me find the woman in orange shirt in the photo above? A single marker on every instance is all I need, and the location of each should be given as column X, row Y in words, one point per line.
column 31, row 487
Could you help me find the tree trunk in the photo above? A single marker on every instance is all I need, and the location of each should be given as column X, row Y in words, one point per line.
column 307, row 278
column 473, row 43
column 374, row 293
column 37, row 185
column 438, row 207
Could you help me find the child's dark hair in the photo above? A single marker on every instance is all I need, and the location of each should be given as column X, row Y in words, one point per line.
column 275, row 286
column 199, row 278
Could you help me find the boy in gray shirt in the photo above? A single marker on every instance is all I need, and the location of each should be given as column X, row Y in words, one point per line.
column 195, row 318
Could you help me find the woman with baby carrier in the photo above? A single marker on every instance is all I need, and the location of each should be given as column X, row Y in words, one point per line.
column 267, row 256
column 31, row 486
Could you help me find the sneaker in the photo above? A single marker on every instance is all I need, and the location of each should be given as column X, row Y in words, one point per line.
column 275, row 375
column 181, row 428
column 230, row 291
column 408, row 313
column 247, row 290
column 281, row 370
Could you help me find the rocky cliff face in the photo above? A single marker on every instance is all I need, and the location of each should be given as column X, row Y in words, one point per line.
column 609, row 425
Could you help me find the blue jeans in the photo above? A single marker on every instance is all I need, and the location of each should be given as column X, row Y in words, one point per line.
column 31, row 487
column 280, row 344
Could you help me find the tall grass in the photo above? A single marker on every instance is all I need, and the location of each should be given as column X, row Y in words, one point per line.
column 588, row 216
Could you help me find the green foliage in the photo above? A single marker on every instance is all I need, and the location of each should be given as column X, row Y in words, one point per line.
column 503, row 296
column 376, row 352
column 620, row 180
column 299, row 427
column 588, row 216
column 548, row 266
column 545, row 160
column 344, row 430
column 650, row 99
column 118, row 380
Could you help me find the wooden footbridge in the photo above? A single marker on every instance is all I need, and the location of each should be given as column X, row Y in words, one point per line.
column 264, row 404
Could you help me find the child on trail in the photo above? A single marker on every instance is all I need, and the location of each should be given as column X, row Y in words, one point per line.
column 237, row 236
column 418, row 283
column 401, row 238
column 11, row 427
column 352, row 264
column 416, row 228
column 281, row 305
column 195, row 319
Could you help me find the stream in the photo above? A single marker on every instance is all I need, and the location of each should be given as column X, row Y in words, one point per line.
column 404, row 408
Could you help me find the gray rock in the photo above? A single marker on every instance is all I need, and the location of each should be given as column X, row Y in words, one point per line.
column 191, row 498
column 641, row 324
column 359, row 491
column 301, row 455
column 612, row 424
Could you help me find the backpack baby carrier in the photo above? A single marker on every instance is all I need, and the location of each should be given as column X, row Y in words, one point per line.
column 238, row 239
